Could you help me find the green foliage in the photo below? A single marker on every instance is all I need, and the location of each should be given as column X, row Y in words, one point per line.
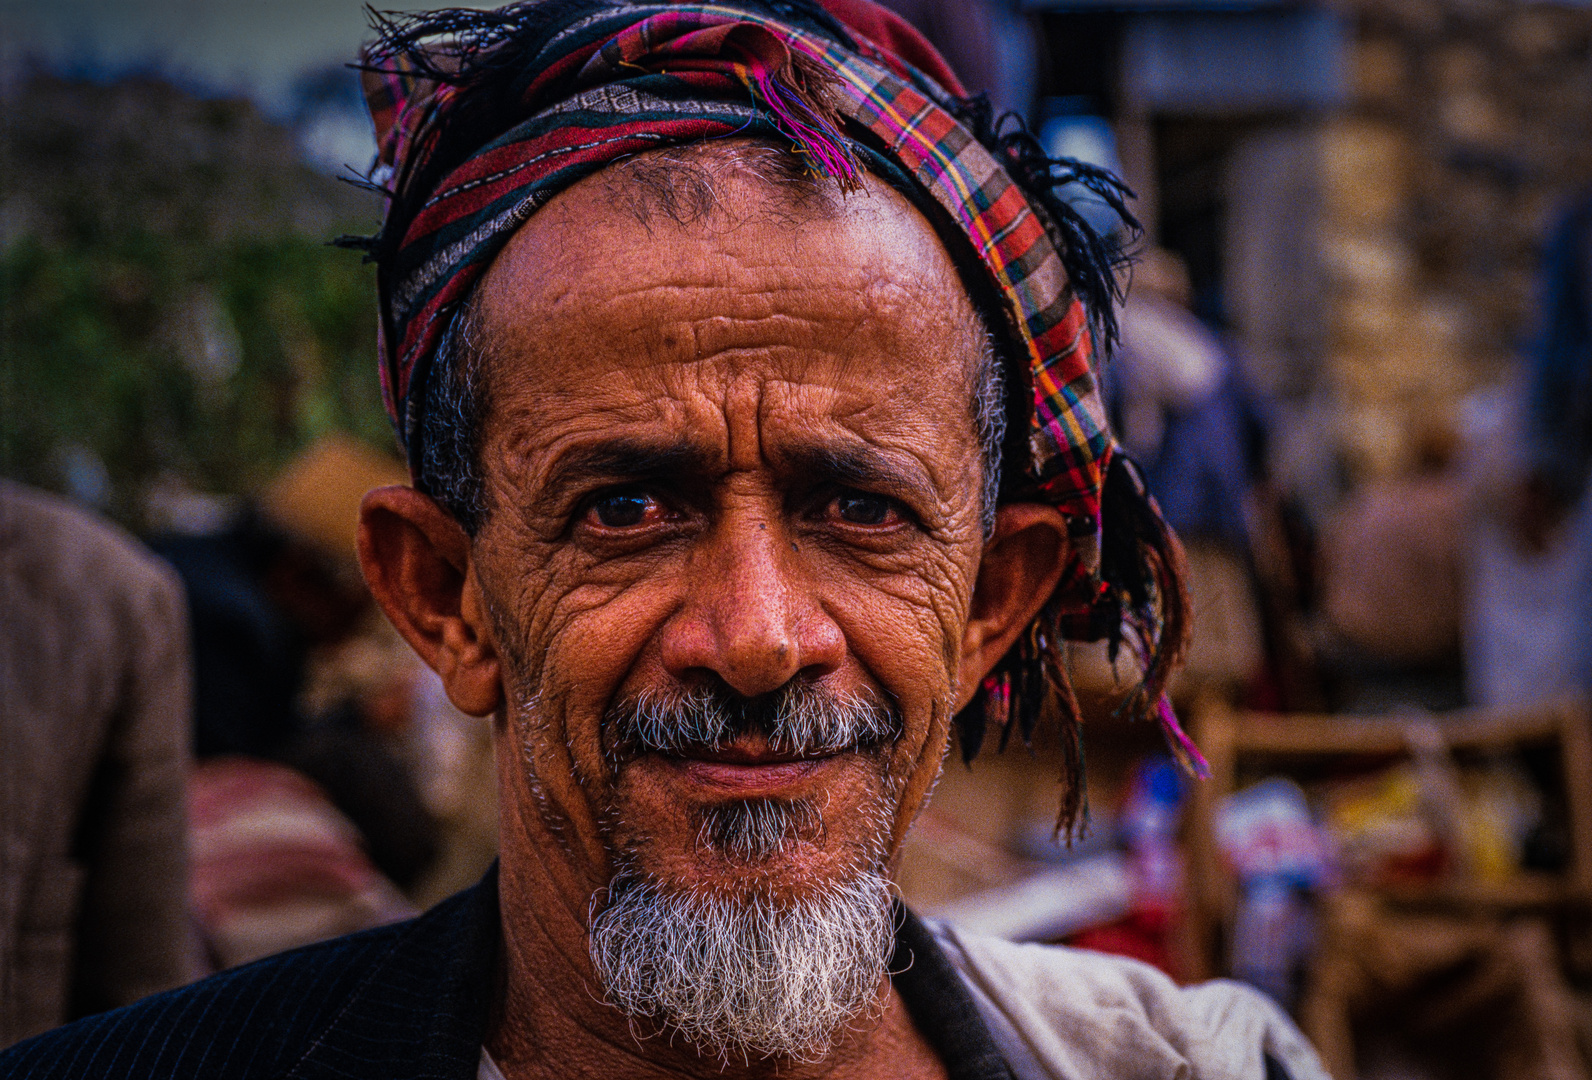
column 211, row 362
column 169, row 308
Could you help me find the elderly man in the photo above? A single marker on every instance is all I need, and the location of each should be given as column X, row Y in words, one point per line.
column 745, row 377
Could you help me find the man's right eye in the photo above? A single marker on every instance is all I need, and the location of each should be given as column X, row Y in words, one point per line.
column 625, row 510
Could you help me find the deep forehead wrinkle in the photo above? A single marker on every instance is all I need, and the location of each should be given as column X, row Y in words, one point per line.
column 667, row 320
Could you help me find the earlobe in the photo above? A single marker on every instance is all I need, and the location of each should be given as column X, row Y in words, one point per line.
column 417, row 562
column 1022, row 564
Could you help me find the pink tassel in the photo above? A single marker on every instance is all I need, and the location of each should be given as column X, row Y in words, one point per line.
column 815, row 135
column 998, row 702
column 1188, row 755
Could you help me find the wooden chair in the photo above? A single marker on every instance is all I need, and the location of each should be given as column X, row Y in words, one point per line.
column 1243, row 746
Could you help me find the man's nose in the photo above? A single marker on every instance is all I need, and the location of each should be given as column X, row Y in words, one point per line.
column 750, row 615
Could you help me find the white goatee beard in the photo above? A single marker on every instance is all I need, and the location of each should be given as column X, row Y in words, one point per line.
column 745, row 977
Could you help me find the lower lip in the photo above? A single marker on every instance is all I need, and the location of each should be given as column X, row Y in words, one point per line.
column 747, row 778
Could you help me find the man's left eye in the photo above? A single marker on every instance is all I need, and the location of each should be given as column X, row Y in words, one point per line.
column 860, row 508
column 625, row 510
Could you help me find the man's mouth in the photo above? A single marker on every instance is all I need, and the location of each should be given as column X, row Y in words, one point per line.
column 748, row 768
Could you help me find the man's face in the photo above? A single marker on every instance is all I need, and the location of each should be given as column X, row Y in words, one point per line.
column 731, row 468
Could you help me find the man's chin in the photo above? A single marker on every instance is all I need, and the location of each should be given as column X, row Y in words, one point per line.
column 779, row 880
column 756, row 849
column 715, row 825
column 799, row 871
column 745, row 968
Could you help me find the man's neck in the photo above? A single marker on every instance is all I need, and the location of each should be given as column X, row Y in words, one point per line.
column 550, row 1019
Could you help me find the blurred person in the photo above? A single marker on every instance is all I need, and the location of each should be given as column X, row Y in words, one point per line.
column 250, row 645
column 354, row 699
column 1179, row 407
column 1559, row 387
column 704, row 330
column 276, row 602
column 1555, row 496
column 1391, row 579
column 95, row 708
column 306, row 818
column 1529, row 570
column 278, row 583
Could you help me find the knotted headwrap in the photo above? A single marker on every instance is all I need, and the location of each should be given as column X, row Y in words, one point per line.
column 575, row 85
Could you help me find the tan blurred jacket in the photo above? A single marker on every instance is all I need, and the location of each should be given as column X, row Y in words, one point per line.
column 95, row 713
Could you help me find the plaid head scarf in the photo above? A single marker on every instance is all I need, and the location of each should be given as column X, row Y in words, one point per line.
column 482, row 117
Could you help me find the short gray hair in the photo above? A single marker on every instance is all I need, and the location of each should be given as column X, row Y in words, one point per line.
column 453, row 408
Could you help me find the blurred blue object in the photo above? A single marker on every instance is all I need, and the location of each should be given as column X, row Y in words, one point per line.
column 1153, row 808
column 1559, row 372
column 1067, row 133
column 1266, row 832
column 1151, row 816
column 1224, row 57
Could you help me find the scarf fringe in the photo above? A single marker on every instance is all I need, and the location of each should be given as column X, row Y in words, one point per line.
column 1142, row 604
column 1143, row 566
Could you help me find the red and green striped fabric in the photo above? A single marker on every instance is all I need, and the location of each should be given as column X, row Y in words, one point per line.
column 631, row 78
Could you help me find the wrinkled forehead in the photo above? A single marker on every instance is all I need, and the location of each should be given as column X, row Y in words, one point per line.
column 858, row 281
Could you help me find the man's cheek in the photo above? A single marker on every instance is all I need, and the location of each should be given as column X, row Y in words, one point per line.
column 581, row 644
column 595, row 638
column 919, row 683
column 905, row 634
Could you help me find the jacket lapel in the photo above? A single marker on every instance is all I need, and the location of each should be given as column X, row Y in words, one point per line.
column 421, row 1013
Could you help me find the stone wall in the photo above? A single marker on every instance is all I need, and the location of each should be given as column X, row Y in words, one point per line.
column 1470, row 125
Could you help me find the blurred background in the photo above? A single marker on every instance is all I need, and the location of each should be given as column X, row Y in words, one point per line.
column 1356, row 364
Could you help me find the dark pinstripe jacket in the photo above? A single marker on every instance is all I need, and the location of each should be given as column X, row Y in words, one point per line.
column 405, row 1001
column 411, row 1002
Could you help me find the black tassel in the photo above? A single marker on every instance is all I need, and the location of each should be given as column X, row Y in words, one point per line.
column 1034, row 687
column 970, row 728
column 1142, row 564
column 1069, row 722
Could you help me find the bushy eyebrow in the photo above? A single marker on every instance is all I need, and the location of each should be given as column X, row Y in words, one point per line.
column 622, row 458
column 849, row 466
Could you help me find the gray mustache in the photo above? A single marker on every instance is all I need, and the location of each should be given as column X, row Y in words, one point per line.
column 798, row 718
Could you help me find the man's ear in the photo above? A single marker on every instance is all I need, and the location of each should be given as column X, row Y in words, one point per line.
column 416, row 560
column 1022, row 563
